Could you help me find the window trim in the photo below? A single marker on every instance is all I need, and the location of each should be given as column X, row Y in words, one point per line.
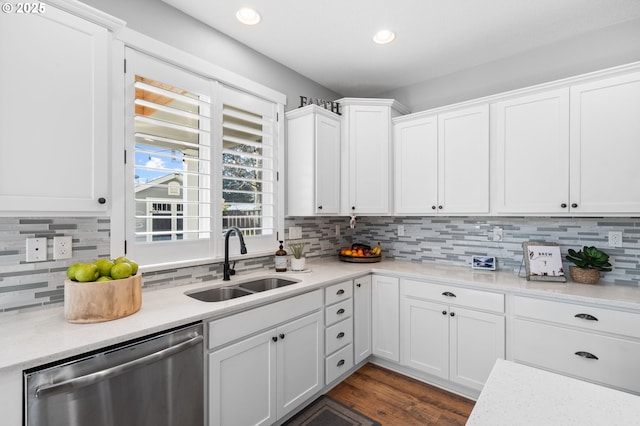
column 127, row 38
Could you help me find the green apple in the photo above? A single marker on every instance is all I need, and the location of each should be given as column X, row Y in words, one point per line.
column 134, row 267
column 71, row 271
column 120, row 259
column 120, row 271
column 104, row 278
column 86, row 272
column 104, row 267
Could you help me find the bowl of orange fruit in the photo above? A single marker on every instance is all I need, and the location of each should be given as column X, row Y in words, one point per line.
column 361, row 253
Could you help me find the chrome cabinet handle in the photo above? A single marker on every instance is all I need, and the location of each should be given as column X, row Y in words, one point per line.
column 586, row 317
column 340, row 311
column 340, row 363
column 340, row 335
column 448, row 294
column 587, row 355
column 89, row 379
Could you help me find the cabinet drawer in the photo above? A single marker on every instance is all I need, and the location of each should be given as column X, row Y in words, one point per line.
column 339, row 363
column 338, row 312
column 338, row 292
column 338, row 335
column 596, row 319
column 452, row 295
column 233, row 327
column 567, row 351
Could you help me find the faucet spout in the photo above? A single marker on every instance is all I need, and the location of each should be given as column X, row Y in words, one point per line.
column 228, row 270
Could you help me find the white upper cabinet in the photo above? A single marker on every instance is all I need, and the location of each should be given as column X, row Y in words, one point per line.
column 442, row 163
column 367, row 155
column 54, row 114
column 532, row 154
column 313, row 162
column 605, row 145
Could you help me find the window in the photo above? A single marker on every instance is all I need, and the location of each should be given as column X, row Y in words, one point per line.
column 201, row 157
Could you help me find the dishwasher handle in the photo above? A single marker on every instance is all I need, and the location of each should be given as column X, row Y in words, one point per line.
column 88, row 379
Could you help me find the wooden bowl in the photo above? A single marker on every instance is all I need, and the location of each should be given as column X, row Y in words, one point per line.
column 102, row 301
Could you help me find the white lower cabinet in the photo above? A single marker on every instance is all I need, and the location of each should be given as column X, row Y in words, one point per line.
column 449, row 340
column 591, row 343
column 362, row 318
column 339, row 330
column 259, row 379
column 385, row 314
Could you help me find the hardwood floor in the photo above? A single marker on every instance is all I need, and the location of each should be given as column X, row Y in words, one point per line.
column 396, row 400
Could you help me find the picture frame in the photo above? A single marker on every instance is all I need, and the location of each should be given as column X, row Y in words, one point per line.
column 488, row 263
column 543, row 261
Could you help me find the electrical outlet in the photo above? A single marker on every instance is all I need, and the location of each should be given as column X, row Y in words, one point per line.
column 497, row 234
column 615, row 238
column 62, row 247
column 400, row 230
column 337, row 230
column 295, row 232
column 36, row 249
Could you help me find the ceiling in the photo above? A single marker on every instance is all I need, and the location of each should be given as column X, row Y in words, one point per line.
column 330, row 41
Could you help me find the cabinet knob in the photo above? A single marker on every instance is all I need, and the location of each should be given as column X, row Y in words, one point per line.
column 358, row 285
column 444, row 312
column 563, row 205
column 439, row 207
column 587, row 355
column 574, row 205
column 319, row 207
column 340, row 363
column 339, row 292
column 433, row 207
column 282, row 336
column 353, row 207
column 340, row 311
column 453, row 314
column 102, row 200
column 448, row 294
column 274, row 338
column 340, row 335
column 586, row 317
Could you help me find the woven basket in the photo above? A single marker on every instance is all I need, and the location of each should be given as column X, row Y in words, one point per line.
column 584, row 276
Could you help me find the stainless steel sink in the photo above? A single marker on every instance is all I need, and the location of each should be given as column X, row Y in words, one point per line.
column 219, row 294
column 266, row 284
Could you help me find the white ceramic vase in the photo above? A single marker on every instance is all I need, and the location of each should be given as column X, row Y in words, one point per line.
column 297, row 264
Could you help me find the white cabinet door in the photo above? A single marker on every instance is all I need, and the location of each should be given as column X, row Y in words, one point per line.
column 242, row 382
column 415, row 144
column 54, row 112
column 327, row 165
column 313, row 162
column 425, row 336
column 477, row 340
column 463, row 168
column 605, row 145
column 362, row 318
column 300, row 362
column 369, row 159
column 386, row 317
column 532, row 154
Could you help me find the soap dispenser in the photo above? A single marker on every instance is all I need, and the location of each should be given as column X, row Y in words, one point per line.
column 281, row 259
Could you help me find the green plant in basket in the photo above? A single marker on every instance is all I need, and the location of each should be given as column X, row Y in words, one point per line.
column 590, row 258
column 297, row 249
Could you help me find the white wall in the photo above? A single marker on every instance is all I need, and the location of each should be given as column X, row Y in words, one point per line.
column 605, row 48
column 162, row 22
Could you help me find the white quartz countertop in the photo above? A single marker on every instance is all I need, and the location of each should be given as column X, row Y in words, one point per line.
column 519, row 395
column 32, row 338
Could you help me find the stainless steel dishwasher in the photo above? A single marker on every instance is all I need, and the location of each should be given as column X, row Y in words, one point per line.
column 156, row 380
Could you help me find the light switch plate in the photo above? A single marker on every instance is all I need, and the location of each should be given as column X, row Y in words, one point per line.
column 36, row 249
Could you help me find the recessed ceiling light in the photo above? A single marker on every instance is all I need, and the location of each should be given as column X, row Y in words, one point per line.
column 248, row 16
column 384, row 37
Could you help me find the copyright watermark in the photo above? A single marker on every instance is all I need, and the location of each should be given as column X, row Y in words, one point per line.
column 23, row 8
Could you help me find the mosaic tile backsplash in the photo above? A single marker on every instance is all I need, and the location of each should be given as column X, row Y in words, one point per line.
column 426, row 239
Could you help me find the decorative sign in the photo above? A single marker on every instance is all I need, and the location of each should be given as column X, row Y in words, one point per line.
column 329, row 105
column 483, row 262
column 543, row 261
